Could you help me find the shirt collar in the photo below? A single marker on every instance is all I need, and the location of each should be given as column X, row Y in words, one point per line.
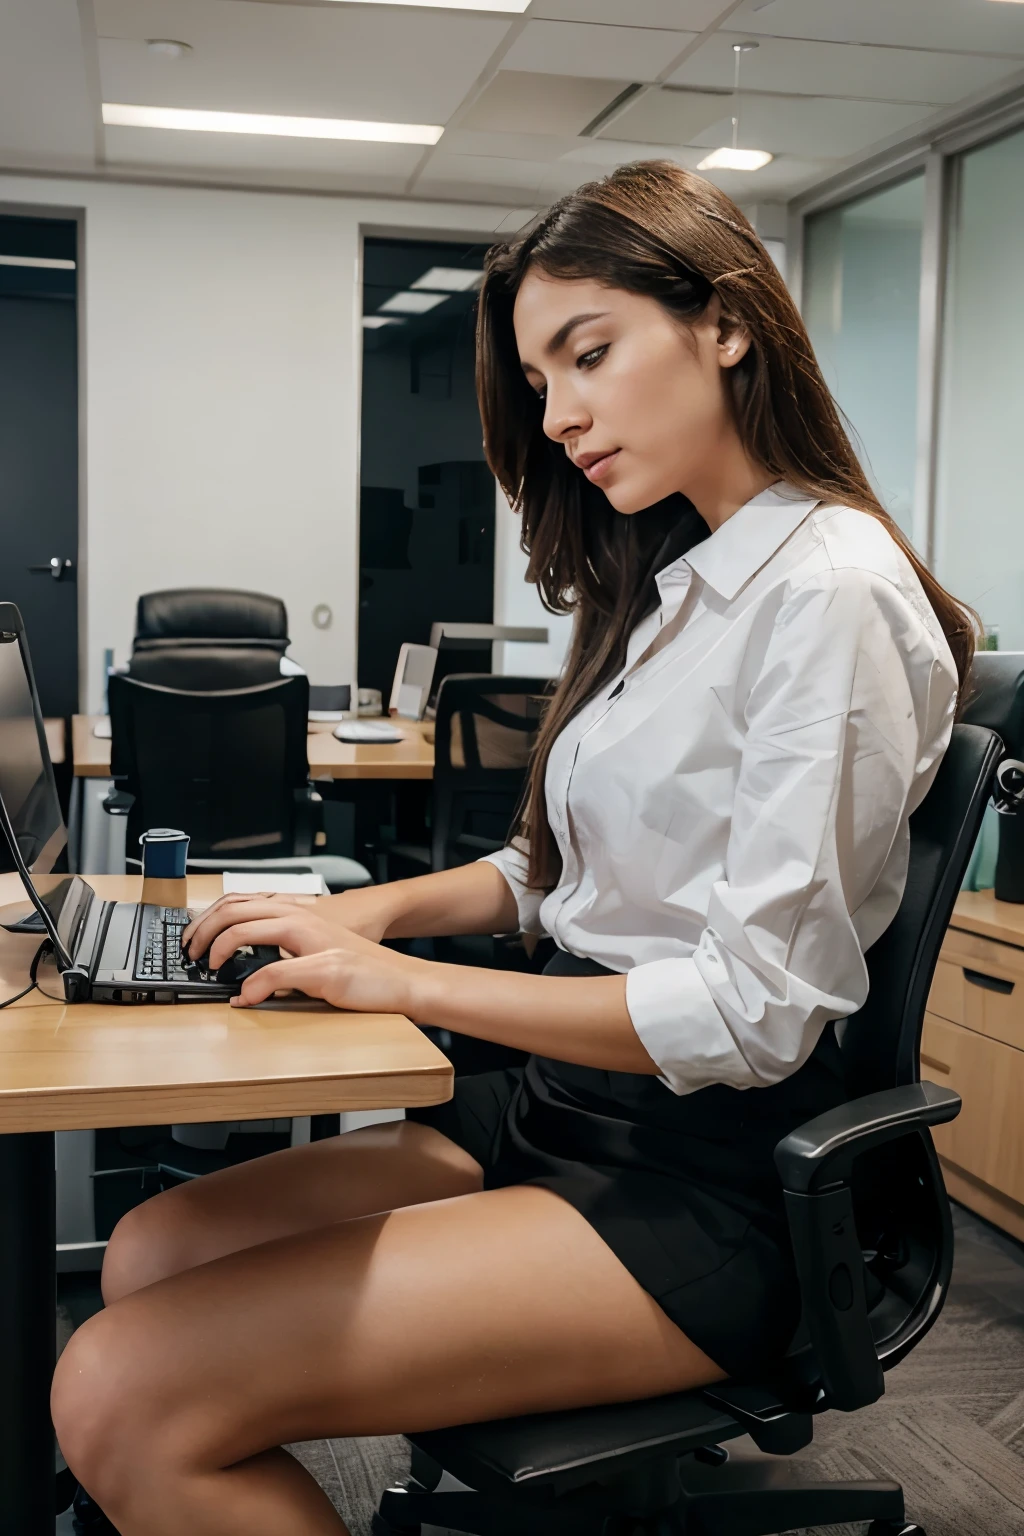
column 746, row 541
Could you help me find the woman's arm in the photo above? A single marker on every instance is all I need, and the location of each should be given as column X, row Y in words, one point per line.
column 475, row 898
column 578, row 1019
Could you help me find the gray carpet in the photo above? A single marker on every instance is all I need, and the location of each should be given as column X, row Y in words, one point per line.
column 950, row 1427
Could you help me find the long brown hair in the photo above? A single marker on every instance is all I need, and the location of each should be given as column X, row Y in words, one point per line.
column 655, row 229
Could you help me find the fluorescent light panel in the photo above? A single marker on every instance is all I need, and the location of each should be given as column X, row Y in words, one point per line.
column 449, row 279
column 412, row 303
column 374, row 322
column 52, row 262
column 514, row 7
column 735, row 160
column 122, row 115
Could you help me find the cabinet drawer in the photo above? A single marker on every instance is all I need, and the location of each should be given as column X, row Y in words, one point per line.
column 987, row 1137
column 980, row 984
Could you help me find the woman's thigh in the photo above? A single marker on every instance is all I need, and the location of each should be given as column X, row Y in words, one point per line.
column 476, row 1307
column 378, row 1168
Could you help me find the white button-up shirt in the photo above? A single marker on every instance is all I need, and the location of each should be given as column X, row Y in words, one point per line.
column 732, row 820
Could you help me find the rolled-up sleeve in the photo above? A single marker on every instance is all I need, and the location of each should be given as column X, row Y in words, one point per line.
column 845, row 725
column 514, row 861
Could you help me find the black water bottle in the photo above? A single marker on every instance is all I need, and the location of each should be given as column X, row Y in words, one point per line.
column 1010, row 858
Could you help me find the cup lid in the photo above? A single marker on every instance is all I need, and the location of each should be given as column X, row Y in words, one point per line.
column 162, row 835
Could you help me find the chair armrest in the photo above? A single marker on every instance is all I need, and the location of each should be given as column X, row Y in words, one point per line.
column 814, row 1162
column 820, row 1153
column 118, row 802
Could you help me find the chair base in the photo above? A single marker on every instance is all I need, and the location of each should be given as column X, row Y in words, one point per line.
column 703, row 1495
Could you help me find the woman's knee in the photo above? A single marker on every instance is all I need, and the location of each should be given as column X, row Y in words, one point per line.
column 97, row 1407
column 160, row 1237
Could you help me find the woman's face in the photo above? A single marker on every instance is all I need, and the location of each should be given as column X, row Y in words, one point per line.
column 637, row 399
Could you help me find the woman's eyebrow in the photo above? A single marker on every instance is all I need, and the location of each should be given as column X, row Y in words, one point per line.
column 563, row 333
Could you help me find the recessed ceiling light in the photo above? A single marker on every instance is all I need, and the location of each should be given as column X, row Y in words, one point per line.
column 121, row 115
column 450, row 279
column 374, row 322
column 168, row 47
column 514, row 6
column 55, row 263
column 1013, row 2
column 735, row 160
column 412, row 303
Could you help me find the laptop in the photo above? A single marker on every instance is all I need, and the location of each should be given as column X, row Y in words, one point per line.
column 106, row 951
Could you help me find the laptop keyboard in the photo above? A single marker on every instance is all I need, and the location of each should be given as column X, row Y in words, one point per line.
column 160, row 948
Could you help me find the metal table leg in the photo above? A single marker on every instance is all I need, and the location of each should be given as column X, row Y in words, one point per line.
column 28, row 1304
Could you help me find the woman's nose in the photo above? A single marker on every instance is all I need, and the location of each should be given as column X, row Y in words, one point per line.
column 564, row 419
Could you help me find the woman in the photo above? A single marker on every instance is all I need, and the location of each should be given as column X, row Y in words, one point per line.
column 761, row 685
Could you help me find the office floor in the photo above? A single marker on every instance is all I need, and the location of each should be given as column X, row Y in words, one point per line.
column 950, row 1427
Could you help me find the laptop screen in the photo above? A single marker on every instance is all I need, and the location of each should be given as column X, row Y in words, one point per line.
column 26, row 777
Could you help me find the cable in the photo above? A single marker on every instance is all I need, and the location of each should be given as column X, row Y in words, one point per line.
column 32, row 974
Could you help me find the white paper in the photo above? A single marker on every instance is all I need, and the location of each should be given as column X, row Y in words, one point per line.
column 280, row 884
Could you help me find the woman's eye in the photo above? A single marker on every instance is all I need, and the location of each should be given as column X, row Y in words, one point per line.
column 590, row 359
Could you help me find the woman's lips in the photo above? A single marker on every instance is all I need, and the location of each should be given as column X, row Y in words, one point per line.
column 600, row 467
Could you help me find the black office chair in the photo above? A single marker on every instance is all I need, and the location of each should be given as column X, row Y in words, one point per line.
column 208, row 638
column 873, row 1242
column 484, row 732
column 227, row 767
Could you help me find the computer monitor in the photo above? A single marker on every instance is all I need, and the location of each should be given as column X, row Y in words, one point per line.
column 26, row 774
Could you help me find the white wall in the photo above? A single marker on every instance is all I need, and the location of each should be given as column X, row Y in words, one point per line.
column 221, row 382
column 516, row 602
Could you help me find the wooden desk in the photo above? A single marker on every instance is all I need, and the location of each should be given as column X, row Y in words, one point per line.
column 973, row 1041
column 64, row 1068
column 411, row 758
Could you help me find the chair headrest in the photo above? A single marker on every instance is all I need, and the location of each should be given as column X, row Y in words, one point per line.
column 211, row 613
column 995, row 697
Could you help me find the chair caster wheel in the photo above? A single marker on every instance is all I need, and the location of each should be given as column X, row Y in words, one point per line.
column 895, row 1528
column 381, row 1527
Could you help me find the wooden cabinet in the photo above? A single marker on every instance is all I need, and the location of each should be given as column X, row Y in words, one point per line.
column 974, row 1040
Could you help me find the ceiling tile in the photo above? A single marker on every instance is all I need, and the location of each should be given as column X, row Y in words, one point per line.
column 46, row 116
column 674, row 15
column 481, row 176
column 827, row 69
column 815, row 126
column 244, row 157
column 329, row 61
column 541, row 147
column 668, row 117
column 517, row 101
column 972, row 26
column 608, row 53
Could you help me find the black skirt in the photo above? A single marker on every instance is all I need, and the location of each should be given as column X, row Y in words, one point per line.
column 683, row 1189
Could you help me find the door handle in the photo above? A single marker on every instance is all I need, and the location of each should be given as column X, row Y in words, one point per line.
column 55, row 568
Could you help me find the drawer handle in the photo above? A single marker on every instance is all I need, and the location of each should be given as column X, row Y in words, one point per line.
column 936, row 1066
column 990, row 983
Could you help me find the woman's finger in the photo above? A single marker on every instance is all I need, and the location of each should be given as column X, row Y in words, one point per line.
column 307, row 973
column 199, row 938
column 266, row 930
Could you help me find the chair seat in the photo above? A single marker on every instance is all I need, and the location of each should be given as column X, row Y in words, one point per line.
column 564, row 1449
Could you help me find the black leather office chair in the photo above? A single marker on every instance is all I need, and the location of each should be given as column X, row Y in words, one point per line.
column 873, row 1242
column 207, row 638
column 229, row 768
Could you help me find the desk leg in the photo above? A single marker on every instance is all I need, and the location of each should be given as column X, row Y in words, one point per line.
column 28, row 1316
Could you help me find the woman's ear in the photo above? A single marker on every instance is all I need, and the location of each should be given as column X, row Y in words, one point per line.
column 733, row 341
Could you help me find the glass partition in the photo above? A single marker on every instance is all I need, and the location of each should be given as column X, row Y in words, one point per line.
column 979, row 527
column 862, row 281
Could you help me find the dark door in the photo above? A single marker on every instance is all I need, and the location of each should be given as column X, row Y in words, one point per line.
column 39, row 448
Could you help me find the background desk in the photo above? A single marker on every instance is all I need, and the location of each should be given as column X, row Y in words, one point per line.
column 352, row 769
column 974, row 1041
column 93, row 1065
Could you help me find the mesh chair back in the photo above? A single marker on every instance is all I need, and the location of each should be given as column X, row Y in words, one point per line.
column 208, row 638
column 484, row 735
column 223, row 766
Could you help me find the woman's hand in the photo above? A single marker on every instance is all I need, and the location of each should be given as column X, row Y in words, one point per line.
column 306, row 924
column 356, row 974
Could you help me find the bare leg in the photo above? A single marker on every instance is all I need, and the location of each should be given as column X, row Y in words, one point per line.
column 375, row 1169
column 168, row 1405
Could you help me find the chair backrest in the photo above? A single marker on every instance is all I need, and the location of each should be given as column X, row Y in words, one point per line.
column 208, row 638
column 881, row 1042
column 223, row 766
column 484, row 733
